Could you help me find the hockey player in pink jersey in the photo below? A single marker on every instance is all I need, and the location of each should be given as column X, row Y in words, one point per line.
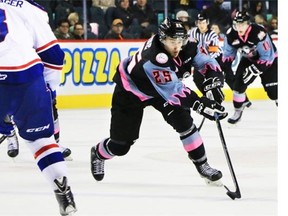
column 149, row 78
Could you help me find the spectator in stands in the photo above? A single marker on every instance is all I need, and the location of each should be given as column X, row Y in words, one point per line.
column 258, row 7
column 123, row 11
column 184, row 5
column 260, row 20
column 217, row 14
column 182, row 15
column 73, row 18
column 273, row 27
column 116, row 31
column 145, row 15
column 219, row 31
column 97, row 22
column 78, row 32
column 92, row 33
column 63, row 9
column 103, row 4
column 78, row 7
column 185, row 18
column 62, row 32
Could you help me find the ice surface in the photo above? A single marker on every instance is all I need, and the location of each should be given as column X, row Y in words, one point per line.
column 155, row 177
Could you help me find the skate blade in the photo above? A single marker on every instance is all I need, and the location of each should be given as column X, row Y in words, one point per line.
column 217, row 183
column 70, row 210
column 68, row 158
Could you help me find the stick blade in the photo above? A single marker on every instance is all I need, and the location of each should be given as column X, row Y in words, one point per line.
column 233, row 195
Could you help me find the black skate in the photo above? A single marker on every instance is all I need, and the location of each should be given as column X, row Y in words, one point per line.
column 97, row 165
column 212, row 176
column 13, row 145
column 65, row 198
column 238, row 113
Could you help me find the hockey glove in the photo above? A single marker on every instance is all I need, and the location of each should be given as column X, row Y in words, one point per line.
column 212, row 89
column 250, row 74
column 208, row 108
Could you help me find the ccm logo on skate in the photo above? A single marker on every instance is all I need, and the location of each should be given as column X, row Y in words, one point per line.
column 38, row 129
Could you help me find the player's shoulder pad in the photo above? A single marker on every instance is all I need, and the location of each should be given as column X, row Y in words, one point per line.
column 192, row 43
column 190, row 49
column 258, row 33
column 229, row 30
column 231, row 34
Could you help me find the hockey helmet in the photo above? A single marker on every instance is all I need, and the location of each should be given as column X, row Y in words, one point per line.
column 202, row 16
column 172, row 28
column 241, row 17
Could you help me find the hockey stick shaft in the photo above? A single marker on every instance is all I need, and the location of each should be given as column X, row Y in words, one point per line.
column 201, row 124
column 231, row 194
column 2, row 138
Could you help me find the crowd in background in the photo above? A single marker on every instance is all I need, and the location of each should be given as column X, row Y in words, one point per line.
column 139, row 19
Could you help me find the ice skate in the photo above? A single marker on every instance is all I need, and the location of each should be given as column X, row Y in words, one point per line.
column 97, row 165
column 64, row 197
column 212, row 176
column 238, row 113
column 13, row 145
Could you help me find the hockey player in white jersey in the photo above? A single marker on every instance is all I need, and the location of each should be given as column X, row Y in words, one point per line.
column 31, row 59
column 13, row 141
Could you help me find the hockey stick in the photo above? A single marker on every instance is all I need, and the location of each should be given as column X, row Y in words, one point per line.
column 2, row 138
column 201, row 124
column 231, row 194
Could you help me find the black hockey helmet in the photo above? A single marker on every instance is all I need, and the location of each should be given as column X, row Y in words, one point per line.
column 241, row 16
column 172, row 28
column 202, row 16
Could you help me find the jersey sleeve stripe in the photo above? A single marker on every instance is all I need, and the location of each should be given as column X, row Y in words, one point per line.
column 20, row 67
column 46, row 46
column 54, row 67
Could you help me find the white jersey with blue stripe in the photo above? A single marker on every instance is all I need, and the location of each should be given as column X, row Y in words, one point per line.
column 26, row 42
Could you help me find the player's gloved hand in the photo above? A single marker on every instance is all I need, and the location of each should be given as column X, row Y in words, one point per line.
column 208, row 108
column 212, row 89
column 250, row 74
